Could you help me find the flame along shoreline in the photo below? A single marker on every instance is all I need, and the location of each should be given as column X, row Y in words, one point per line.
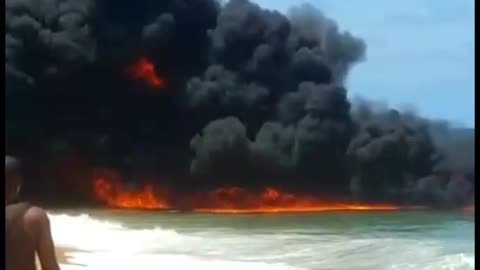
column 273, row 211
column 230, row 200
column 283, row 211
column 235, row 200
column 280, row 210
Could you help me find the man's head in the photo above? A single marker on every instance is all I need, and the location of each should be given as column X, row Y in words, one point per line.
column 12, row 178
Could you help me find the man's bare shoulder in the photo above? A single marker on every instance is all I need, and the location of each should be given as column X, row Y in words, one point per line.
column 36, row 216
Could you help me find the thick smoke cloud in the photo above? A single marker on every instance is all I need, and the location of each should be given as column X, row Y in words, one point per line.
column 252, row 98
column 402, row 155
column 45, row 38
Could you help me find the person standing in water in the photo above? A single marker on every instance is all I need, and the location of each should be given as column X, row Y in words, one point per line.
column 27, row 227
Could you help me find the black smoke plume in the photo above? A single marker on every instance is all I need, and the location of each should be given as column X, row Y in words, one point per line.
column 252, row 98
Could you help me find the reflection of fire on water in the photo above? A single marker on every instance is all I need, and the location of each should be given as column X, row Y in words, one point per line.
column 227, row 200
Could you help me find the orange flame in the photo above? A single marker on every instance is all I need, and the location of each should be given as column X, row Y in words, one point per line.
column 143, row 69
column 115, row 196
column 225, row 200
column 234, row 200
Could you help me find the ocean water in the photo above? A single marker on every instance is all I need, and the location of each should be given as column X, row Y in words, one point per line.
column 355, row 241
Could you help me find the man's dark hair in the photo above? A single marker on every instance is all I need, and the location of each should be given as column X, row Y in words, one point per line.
column 12, row 165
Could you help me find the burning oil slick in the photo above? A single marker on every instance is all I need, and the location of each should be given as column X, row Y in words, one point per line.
column 224, row 200
column 190, row 98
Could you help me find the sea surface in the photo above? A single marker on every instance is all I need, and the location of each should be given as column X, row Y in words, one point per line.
column 138, row 240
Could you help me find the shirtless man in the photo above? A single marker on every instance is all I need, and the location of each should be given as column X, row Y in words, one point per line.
column 27, row 228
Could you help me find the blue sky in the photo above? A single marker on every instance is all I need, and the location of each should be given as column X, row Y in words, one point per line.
column 420, row 53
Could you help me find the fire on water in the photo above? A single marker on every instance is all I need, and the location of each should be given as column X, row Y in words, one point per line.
column 114, row 195
column 299, row 209
column 226, row 200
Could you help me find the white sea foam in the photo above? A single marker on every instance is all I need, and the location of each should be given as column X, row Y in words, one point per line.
column 108, row 245
column 449, row 262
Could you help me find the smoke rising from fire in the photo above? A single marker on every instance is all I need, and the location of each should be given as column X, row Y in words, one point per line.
column 254, row 99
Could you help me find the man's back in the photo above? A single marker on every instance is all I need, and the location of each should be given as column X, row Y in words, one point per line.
column 19, row 238
column 27, row 228
column 27, row 231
